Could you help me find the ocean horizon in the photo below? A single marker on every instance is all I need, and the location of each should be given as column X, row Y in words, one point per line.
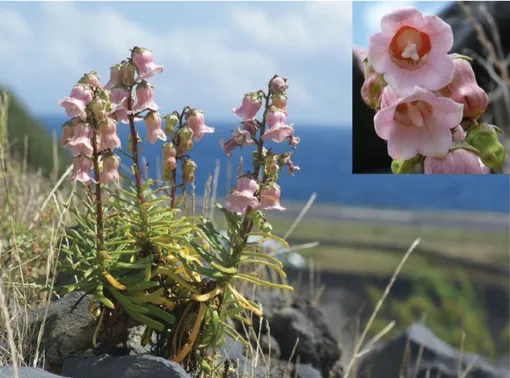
column 325, row 158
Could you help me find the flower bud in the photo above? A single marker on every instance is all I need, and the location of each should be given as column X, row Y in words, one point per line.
column 67, row 132
column 99, row 108
column 130, row 143
column 188, row 171
column 91, row 79
column 279, row 101
column 185, row 140
column 271, row 166
column 457, row 161
column 278, row 85
column 372, row 89
column 484, row 138
column 465, row 90
column 170, row 121
column 400, row 167
column 127, row 73
column 169, row 161
column 266, row 227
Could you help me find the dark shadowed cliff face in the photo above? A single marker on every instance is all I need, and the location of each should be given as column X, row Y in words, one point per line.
column 24, row 132
column 369, row 152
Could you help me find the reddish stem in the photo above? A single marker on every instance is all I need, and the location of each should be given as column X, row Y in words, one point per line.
column 134, row 147
column 99, row 205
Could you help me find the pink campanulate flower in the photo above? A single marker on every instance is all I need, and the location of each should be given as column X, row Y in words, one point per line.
column 270, row 198
column 243, row 196
column 110, row 171
column 144, row 95
column 195, row 120
column 67, row 132
column 81, row 169
column 81, row 141
column 118, row 103
column 277, row 130
column 239, row 138
column 115, row 77
column 107, row 133
column 418, row 123
column 74, row 105
column 91, row 79
column 457, row 161
column 144, row 62
column 412, row 50
column 154, row 130
column 250, row 106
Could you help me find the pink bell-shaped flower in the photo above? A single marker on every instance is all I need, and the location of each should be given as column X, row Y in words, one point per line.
column 277, row 130
column 107, row 133
column 270, row 198
column 110, row 171
column 412, row 50
column 250, row 106
column 195, row 120
column 243, row 196
column 144, row 62
column 81, row 169
column 144, row 95
column 81, row 141
column 153, row 125
column 74, row 105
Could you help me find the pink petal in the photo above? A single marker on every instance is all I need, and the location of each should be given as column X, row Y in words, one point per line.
column 440, row 33
column 402, row 143
column 378, row 54
column 393, row 21
column 384, row 123
column 433, row 139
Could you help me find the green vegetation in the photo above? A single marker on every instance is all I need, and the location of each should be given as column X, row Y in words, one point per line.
column 451, row 307
column 29, row 141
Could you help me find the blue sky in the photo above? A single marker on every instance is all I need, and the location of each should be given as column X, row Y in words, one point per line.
column 366, row 15
column 212, row 52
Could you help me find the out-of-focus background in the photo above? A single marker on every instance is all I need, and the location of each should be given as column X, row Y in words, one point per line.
column 215, row 52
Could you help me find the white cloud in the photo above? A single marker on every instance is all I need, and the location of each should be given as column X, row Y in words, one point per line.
column 215, row 62
column 314, row 27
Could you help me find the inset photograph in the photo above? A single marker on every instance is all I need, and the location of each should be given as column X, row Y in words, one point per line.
column 431, row 87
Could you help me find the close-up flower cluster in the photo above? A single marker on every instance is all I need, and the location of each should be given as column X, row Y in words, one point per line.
column 429, row 106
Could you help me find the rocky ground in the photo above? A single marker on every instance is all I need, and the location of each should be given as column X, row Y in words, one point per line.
column 297, row 330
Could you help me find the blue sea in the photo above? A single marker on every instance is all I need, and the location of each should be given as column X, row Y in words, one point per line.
column 324, row 155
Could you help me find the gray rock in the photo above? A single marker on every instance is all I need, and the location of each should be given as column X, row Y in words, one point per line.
column 306, row 371
column 65, row 332
column 437, row 357
column 26, row 372
column 122, row 367
column 293, row 319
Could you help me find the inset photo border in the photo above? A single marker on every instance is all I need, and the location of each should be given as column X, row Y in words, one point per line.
column 431, row 88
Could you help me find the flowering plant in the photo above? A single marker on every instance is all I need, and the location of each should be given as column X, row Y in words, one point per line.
column 428, row 104
column 134, row 250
